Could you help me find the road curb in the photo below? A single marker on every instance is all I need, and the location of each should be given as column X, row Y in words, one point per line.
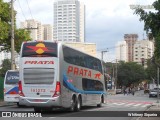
column 6, row 104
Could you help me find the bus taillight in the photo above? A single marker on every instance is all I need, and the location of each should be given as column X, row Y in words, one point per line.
column 20, row 88
column 58, row 89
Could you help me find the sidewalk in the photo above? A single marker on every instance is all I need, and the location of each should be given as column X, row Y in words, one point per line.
column 2, row 103
column 154, row 107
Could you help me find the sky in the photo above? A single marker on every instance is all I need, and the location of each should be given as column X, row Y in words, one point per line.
column 106, row 20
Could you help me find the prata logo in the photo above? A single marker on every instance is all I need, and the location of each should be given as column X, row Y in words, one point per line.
column 40, row 48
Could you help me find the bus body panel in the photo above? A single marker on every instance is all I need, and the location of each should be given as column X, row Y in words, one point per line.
column 11, row 86
column 72, row 79
column 39, row 79
column 74, row 75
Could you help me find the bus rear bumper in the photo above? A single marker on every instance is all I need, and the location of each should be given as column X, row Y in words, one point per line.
column 40, row 102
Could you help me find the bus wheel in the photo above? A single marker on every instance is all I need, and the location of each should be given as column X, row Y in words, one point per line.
column 100, row 104
column 18, row 105
column 73, row 104
column 78, row 104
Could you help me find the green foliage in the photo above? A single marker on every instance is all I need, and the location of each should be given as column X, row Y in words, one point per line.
column 1, row 88
column 5, row 29
column 6, row 65
column 130, row 73
column 151, row 70
column 4, row 21
column 151, row 24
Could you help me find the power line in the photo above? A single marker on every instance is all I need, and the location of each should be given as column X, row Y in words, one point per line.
column 22, row 10
column 29, row 9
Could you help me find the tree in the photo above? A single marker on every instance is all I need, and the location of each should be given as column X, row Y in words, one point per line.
column 130, row 73
column 151, row 71
column 5, row 28
column 151, row 25
column 6, row 65
column 4, row 21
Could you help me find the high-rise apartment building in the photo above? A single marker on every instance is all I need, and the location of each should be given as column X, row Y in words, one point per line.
column 37, row 30
column 48, row 32
column 122, row 51
column 69, row 21
column 130, row 40
column 34, row 27
column 143, row 50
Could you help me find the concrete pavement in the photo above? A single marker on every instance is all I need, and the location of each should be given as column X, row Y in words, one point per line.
column 154, row 107
column 2, row 103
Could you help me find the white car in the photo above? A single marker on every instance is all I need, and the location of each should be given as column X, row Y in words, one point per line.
column 153, row 92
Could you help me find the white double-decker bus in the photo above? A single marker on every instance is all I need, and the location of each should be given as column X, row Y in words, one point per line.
column 53, row 75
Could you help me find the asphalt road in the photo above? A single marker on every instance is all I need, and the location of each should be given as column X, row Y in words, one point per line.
column 116, row 107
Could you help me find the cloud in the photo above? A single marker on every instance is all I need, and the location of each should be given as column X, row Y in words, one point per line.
column 106, row 20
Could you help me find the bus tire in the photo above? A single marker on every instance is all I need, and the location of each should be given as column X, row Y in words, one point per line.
column 18, row 105
column 101, row 101
column 99, row 105
column 78, row 104
column 73, row 104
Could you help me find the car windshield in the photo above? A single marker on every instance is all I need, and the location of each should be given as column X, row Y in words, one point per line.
column 12, row 77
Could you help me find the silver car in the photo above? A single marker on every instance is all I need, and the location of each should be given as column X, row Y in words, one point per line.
column 153, row 92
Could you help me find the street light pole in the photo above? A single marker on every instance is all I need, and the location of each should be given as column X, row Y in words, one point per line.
column 12, row 38
column 116, row 76
column 102, row 52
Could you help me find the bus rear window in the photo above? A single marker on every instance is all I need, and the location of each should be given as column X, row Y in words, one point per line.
column 39, row 49
column 12, row 78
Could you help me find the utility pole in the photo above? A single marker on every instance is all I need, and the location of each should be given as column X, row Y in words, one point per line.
column 116, row 76
column 12, row 38
column 102, row 52
column 158, row 85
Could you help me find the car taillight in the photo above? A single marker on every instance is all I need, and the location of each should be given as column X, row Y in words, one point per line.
column 58, row 89
column 20, row 89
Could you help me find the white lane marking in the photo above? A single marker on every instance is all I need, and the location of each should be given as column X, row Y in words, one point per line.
column 137, row 105
column 118, row 103
column 129, row 104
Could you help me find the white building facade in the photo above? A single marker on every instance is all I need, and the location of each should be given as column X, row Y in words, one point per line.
column 7, row 55
column 47, row 32
column 121, row 51
column 69, row 21
column 4, row 55
column 143, row 50
column 37, row 30
column 89, row 48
